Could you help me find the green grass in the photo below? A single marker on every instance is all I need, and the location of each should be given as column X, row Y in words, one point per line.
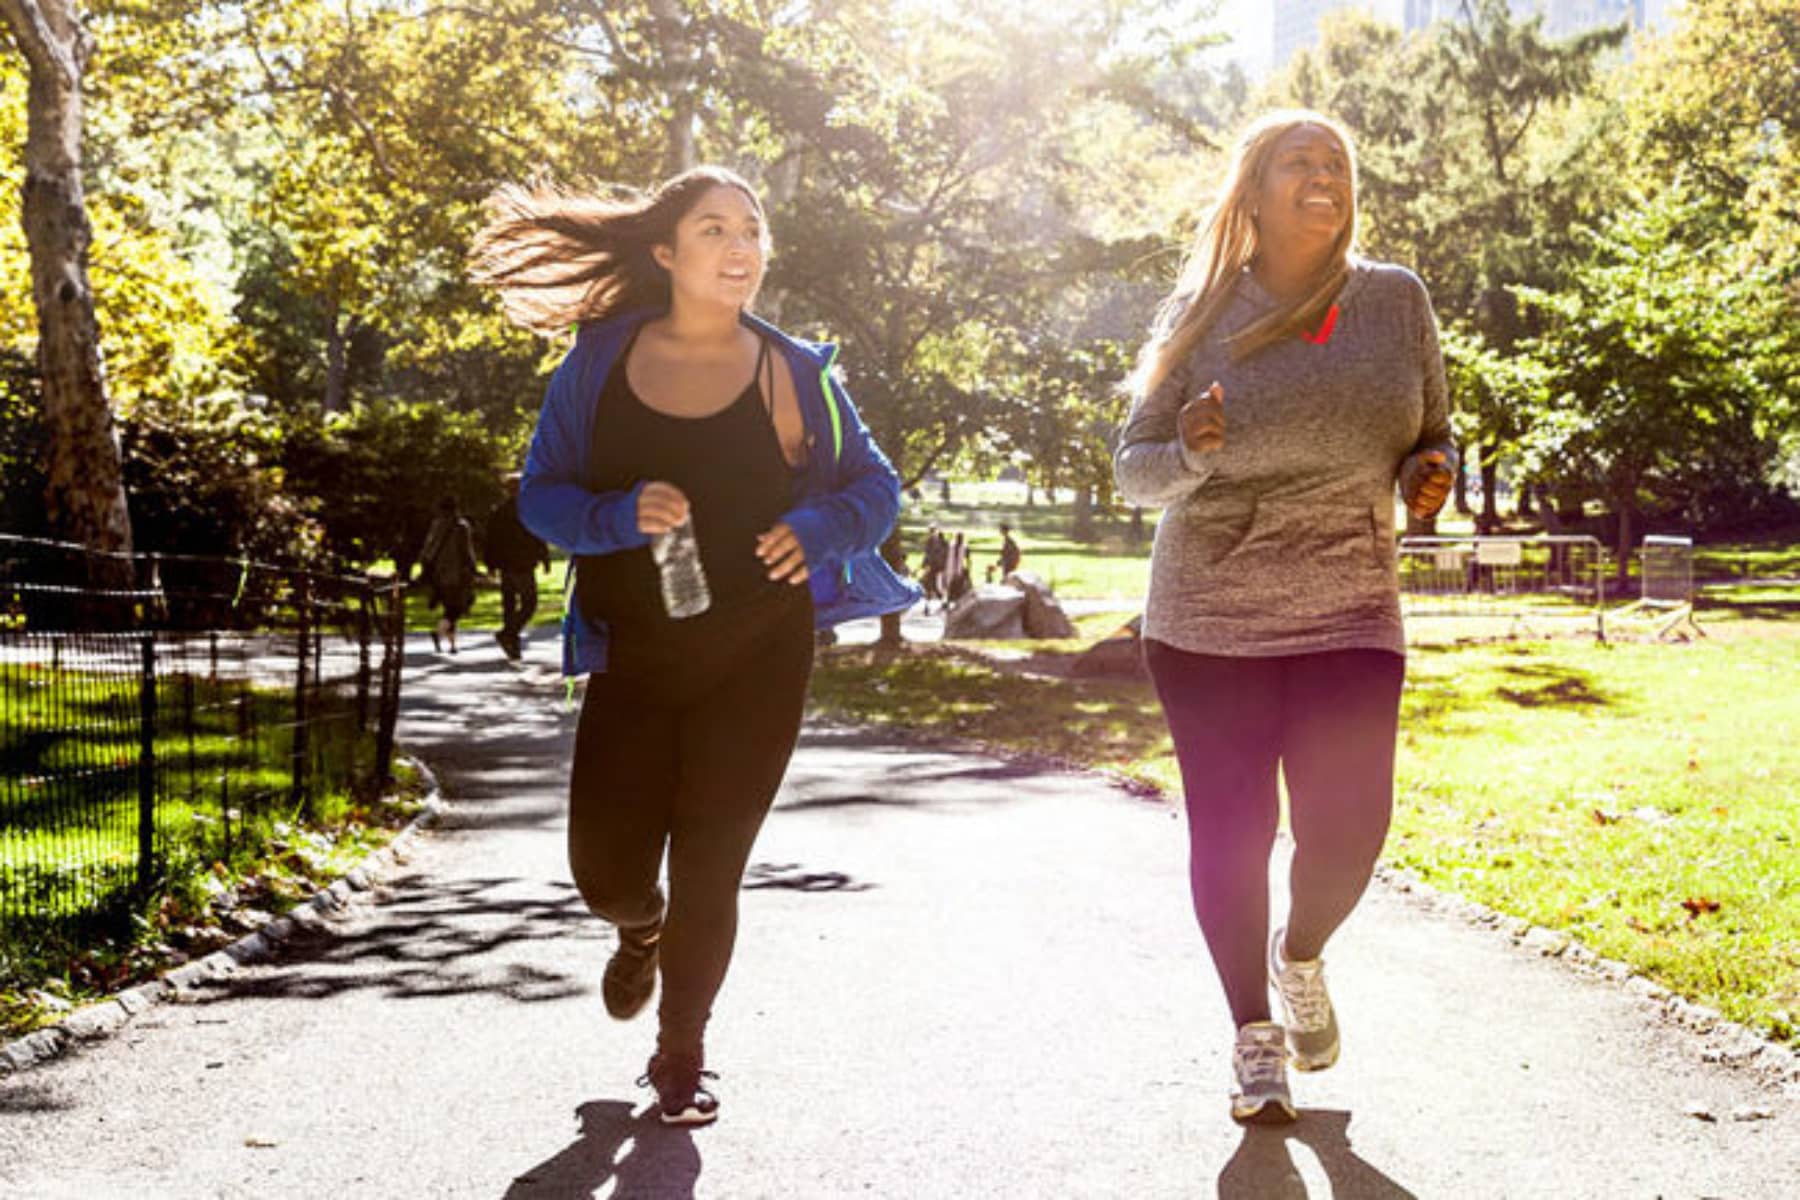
column 1638, row 796
column 1775, row 554
column 226, row 824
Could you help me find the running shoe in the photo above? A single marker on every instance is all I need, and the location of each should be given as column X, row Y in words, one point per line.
column 1312, row 1029
column 682, row 1097
column 1259, row 1068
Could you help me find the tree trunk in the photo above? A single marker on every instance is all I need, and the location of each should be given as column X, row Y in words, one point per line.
column 1490, row 479
column 337, row 365
column 1084, row 513
column 1137, row 525
column 895, row 554
column 681, row 62
column 1625, row 504
column 84, row 495
column 1462, row 489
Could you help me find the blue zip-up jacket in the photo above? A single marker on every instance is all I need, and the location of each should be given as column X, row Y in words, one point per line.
column 847, row 495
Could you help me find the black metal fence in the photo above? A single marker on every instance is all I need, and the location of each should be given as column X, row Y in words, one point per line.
column 159, row 708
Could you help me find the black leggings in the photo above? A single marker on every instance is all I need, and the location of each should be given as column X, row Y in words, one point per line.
column 1329, row 721
column 683, row 742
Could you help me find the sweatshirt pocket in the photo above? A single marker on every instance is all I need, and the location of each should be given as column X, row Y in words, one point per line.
column 1303, row 537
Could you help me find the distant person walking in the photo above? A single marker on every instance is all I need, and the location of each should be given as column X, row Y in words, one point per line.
column 1010, row 555
column 1287, row 387
column 447, row 564
column 514, row 553
column 932, row 564
column 695, row 460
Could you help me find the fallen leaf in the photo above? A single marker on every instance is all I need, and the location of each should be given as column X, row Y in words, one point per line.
column 1698, row 905
column 1602, row 817
column 256, row 1143
column 1699, row 1112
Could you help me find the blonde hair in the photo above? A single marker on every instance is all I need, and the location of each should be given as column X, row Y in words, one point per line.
column 1228, row 241
column 559, row 256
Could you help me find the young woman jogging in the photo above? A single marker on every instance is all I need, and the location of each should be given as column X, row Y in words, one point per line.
column 677, row 414
column 1287, row 388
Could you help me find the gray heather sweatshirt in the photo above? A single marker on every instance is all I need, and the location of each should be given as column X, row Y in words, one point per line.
column 1282, row 541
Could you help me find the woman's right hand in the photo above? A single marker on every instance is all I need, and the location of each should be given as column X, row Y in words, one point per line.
column 661, row 507
column 1202, row 420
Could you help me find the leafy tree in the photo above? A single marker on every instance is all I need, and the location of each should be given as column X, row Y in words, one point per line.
column 204, row 480
column 1669, row 365
column 1715, row 104
column 377, row 471
column 84, row 497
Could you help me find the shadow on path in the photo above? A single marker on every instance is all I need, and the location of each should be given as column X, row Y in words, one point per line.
column 431, row 937
column 20, row 1097
column 642, row 1158
column 1263, row 1167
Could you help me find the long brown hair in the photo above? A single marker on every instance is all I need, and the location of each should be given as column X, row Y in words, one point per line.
column 559, row 256
column 1228, row 241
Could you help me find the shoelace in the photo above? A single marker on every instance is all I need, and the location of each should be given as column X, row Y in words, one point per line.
column 1303, row 987
column 644, row 1080
column 1261, row 1062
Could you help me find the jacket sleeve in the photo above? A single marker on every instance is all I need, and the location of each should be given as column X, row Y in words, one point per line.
column 858, row 512
column 1151, row 466
column 554, row 502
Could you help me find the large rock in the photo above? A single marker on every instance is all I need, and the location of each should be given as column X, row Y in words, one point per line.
column 1022, row 608
column 1120, row 656
column 1043, row 616
column 986, row 612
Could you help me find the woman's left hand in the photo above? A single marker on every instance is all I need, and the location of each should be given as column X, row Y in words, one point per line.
column 781, row 552
column 1427, row 484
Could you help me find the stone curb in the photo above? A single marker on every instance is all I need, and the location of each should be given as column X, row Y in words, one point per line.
column 106, row 1017
column 1727, row 1041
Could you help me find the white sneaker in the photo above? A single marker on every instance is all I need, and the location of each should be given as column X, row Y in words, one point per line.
column 1259, row 1067
column 1312, row 1030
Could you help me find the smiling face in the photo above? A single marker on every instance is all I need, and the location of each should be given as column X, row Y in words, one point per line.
column 720, row 250
column 1306, row 196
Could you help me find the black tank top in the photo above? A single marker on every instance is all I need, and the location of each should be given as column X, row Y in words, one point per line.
column 730, row 466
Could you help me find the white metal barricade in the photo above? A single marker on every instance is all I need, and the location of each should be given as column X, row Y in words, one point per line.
column 1512, row 585
column 1665, row 601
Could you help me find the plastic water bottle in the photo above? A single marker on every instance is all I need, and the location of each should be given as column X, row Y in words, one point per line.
column 677, row 556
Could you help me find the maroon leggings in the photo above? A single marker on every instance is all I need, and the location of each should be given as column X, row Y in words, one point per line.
column 1328, row 722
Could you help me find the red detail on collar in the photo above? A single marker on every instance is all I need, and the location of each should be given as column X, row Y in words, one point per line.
column 1322, row 334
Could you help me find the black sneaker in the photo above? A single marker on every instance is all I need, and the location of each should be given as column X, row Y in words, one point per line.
column 631, row 973
column 681, row 1094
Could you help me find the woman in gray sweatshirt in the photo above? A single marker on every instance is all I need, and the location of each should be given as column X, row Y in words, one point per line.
column 1287, row 388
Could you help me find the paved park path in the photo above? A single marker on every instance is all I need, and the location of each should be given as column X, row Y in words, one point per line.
column 957, row 977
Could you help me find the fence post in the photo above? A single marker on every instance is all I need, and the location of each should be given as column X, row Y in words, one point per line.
column 299, row 796
column 363, row 634
column 146, row 864
column 393, row 653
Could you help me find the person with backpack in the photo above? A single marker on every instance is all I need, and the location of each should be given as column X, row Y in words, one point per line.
column 721, row 498
column 448, row 567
